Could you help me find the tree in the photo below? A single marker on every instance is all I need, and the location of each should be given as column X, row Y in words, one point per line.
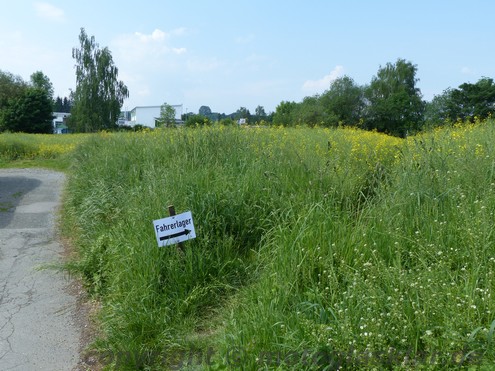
column 227, row 121
column 284, row 113
column 204, row 111
column 40, row 81
column 343, row 103
column 11, row 86
column 260, row 113
column 309, row 112
column 242, row 113
column 439, row 109
column 25, row 108
column 197, row 120
column 30, row 113
column 472, row 100
column 67, row 104
column 167, row 116
column 464, row 103
column 99, row 94
column 58, row 104
column 62, row 105
column 395, row 105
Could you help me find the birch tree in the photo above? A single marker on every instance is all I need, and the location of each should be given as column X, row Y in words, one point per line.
column 99, row 94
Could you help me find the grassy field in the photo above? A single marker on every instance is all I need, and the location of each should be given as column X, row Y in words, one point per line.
column 38, row 150
column 315, row 248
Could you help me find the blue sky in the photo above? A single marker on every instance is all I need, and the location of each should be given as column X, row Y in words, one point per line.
column 233, row 53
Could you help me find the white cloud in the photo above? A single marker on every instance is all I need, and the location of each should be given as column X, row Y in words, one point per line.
column 159, row 36
column 318, row 86
column 149, row 62
column 140, row 47
column 49, row 12
column 156, row 35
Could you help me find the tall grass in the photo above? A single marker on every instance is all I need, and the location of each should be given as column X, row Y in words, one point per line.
column 45, row 150
column 315, row 247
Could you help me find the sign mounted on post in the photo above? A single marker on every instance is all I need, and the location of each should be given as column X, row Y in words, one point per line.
column 174, row 229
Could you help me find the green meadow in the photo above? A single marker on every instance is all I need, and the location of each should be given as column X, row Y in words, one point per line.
column 315, row 248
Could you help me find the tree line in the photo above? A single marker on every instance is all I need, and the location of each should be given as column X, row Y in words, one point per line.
column 206, row 116
column 391, row 103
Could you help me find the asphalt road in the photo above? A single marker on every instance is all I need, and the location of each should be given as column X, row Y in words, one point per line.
column 37, row 326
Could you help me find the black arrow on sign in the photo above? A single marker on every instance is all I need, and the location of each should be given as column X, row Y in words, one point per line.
column 185, row 232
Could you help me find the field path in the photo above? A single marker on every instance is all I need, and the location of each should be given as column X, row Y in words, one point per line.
column 39, row 329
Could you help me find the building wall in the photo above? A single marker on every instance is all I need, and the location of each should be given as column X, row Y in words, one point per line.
column 147, row 115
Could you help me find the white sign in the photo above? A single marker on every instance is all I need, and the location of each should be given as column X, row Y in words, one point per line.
column 174, row 229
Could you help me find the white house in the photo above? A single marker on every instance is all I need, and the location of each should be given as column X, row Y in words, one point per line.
column 149, row 115
column 60, row 122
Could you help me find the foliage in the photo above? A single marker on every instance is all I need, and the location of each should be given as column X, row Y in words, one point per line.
column 439, row 109
column 260, row 113
column 29, row 113
column 40, row 81
column 390, row 104
column 395, row 104
column 284, row 113
column 99, row 94
column 475, row 100
column 197, row 120
column 167, row 116
column 310, row 112
column 11, row 86
column 62, row 105
column 343, row 102
column 204, row 111
column 242, row 113
column 227, row 121
column 26, row 107
column 466, row 102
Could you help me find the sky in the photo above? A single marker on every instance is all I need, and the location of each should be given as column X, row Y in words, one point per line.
column 227, row 54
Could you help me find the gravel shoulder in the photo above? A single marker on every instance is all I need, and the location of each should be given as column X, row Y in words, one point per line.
column 44, row 314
